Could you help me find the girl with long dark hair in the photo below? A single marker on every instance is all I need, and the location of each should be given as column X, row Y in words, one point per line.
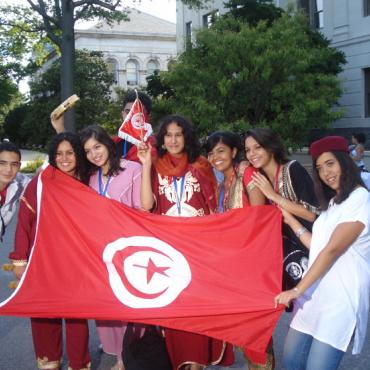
column 181, row 183
column 66, row 155
column 117, row 179
column 286, row 184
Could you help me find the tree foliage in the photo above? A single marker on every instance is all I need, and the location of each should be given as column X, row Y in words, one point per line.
column 237, row 76
column 56, row 20
column 30, row 124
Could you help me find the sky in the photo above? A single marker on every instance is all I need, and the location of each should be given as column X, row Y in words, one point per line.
column 165, row 9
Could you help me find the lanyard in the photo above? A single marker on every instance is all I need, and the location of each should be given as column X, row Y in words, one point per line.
column 276, row 184
column 221, row 196
column 178, row 198
column 103, row 189
column 124, row 149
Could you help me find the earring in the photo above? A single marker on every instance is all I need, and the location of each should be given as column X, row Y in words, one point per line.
column 163, row 147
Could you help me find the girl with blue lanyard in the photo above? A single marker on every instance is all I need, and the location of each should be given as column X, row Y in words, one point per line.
column 237, row 189
column 117, row 179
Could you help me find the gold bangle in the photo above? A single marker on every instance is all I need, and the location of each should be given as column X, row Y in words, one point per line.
column 300, row 232
column 19, row 263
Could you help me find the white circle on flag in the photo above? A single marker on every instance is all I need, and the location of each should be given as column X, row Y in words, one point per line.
column 154, row 272
column 138, row 120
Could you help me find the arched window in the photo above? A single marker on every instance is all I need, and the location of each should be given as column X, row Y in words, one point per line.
column 113, row 69
column 152, row 66
column 132, row 71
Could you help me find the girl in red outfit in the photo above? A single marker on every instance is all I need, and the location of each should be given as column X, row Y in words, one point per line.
column 65, row 154
column 182, row 184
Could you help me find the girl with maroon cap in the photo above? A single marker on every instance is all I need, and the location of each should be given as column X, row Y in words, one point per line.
column 332, row 299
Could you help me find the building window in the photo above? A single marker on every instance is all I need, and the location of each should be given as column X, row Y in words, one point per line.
column 188, row 33
column 319, row 14
column 209, row 19
column 112, row 67
column 132, row 71
column 367, row 91
column 152, row 66
column 366, row 8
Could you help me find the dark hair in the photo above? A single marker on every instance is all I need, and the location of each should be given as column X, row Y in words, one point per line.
column 99, row 134
column 192, row 145
column 130, row 97
column 228, row 138
column 8, row 146
column 270, row 141
column 74, row 140
column 350, row 178
column 360, row 137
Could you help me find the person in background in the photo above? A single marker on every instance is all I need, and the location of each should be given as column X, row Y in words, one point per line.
column 332, row 299
column 357, row 150
column 66, row 155
column 125, row 149
column 12, row 183
column 117, row 179
column 182, row 184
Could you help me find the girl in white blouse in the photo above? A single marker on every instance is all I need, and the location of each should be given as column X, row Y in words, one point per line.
column 332, row 299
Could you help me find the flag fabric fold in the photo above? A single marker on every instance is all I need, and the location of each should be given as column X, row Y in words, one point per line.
column 96, row 258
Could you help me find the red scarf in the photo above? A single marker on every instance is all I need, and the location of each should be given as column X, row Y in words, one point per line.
column 201, row 169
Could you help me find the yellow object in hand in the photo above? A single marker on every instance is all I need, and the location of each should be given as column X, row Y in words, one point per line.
column 62, row 108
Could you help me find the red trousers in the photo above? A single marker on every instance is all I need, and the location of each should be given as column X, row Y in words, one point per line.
column 47, row 337
column 186, row 348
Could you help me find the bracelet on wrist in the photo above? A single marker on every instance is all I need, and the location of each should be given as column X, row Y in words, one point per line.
column 282, row 201
column 300, row 232
column 19, row 263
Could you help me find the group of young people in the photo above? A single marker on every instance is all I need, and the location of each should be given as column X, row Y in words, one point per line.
column 326, row 231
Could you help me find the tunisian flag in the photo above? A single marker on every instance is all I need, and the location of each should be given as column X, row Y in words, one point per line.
column 135, row 128
column 96, row 258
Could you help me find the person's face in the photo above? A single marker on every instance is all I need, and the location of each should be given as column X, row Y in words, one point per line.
column 221, row 157
column 257, row 156
column 329, row 170
column 354, row 140
column 9, row 167
column 96, row 152
column 174, row 140
column 66, row 158
column 126, row 110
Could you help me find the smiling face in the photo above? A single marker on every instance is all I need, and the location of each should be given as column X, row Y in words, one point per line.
column 329, row 170
column 174, row 140
column 65, row 158
column 257, row 156
column 97, row 153
column 221, row 157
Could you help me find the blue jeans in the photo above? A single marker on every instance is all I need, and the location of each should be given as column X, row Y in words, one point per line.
column 303, row 352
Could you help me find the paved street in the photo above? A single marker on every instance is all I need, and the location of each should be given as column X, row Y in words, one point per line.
column 16, row 350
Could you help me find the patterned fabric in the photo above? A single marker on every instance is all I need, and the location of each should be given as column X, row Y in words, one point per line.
column 296, row 185
column 239, row 189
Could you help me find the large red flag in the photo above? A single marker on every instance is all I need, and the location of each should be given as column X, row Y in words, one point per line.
column 96, row 258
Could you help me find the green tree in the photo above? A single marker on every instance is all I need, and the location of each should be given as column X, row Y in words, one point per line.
column 93, row 83
column 237, row 76
column 56, row 19
column 253, row 11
